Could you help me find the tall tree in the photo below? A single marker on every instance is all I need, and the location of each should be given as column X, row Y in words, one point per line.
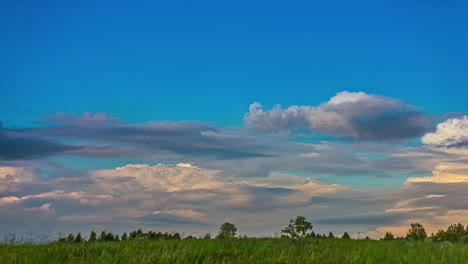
column 227, row 231
column 92, row 237
column 416, row 232
column 388, row 236
column 70, row 238
column 345, row 236
column 78, row 238
column 298, row 228
column 102, row 237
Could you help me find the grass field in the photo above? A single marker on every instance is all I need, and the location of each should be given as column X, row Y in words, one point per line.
column 247, row 250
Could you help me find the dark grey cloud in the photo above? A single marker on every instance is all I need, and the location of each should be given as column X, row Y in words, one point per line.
column 17, row 147
column 182, row 138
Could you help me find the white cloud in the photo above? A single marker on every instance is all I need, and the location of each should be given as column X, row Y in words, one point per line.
column 450, row 133
column 444, row 173
column 168, row 178
column 11, row 177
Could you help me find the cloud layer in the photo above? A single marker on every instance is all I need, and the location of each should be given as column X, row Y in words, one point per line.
column 205, row 175
column 160, row 196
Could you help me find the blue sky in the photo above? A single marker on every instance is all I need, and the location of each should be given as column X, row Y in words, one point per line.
column 138, row 60
column 373, row 98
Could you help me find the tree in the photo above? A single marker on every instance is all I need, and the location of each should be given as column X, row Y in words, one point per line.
column 455, row 233
column 345, row 236
column 330, row 235
column 227, row 230
column 78, row 238
column 103, row 236
column 416, row 232
column 298, row 228
column 124, row 237
column 70, row 238
column 388, row 236
column 92, row 237
column 109, row 237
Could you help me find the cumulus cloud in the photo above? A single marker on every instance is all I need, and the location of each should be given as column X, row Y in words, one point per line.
column 12, row 177
column 450, row 133
column 166, row 178
column 348, row 114
column 436, row 199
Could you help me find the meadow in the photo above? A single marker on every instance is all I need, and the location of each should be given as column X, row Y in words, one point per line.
column 239, row 250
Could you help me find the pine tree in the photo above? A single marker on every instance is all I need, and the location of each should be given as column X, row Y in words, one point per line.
column 92, row 237
column 78, row 238
column 102, row 237
column 124, row 237
column 70, row 238
column 345, row 236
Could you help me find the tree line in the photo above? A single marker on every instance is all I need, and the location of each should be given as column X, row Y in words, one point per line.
column 297, row 229
column 455, row 233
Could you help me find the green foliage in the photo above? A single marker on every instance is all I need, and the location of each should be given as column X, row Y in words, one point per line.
column 92, row 237
column 388, row 236
column 139, row 235
column 78, row 238
column 416, row 232
column 70, row 238
column 345, row 236
column 455, row 233
column 227, row 231
column 330, row 235
column 298, row 228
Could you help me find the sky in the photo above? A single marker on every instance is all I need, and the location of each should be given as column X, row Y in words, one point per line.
column 182, row 115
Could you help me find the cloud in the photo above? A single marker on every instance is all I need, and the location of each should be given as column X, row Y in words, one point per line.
column 165, row 138
column 14, row 146
column 87, row 119
column 165, row 196
column 165, row 219
column 444, row 173
column 365, row 219
column 451, row 133
column 167, row 178
column 348, row 114
column 12, row 177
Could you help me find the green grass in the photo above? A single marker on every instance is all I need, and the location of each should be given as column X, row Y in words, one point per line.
column 248, row 250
